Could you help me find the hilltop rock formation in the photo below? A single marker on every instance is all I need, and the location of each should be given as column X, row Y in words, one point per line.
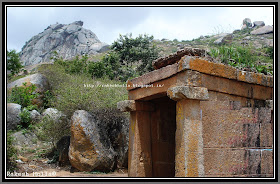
column 68, row 40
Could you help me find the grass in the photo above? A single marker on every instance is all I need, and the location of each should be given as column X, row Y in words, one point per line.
column 71, row 93
column 243, row 57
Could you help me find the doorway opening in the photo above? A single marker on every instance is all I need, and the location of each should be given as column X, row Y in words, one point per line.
column 163, row 129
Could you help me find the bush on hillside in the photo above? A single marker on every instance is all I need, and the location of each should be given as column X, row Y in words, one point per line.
column 13, row 62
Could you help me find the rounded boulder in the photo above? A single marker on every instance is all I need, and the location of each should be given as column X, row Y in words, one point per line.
column 89, row 149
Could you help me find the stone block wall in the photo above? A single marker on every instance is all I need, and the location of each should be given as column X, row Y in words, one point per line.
column 224, row 121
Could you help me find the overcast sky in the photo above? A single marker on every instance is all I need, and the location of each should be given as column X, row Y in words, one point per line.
column 182, row 23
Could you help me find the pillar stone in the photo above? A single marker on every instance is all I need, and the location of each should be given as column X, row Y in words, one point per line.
column 140, row 156
column 189, row 142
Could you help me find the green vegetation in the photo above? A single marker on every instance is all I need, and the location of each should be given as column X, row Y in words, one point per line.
column 79, row 91
column 25, row 117
column 243, row 57
column 13, row 63
column 11, row 153
column 23, row 95
column 128, row 52
column 51, row 130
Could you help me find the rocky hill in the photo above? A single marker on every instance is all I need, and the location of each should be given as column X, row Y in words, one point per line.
column 68, row 40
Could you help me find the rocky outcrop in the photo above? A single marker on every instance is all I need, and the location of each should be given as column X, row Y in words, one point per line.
column 90, row 148
column 13, row 118
column 262, row 30
column 68, row 40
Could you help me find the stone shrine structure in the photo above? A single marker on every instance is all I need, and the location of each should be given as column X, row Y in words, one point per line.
column 195, row 118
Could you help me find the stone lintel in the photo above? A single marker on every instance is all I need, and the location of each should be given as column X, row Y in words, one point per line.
column 225, row 71
column 152, row 76
column 132, row 105
column 187, row 92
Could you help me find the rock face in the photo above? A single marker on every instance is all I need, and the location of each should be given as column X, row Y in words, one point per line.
column 68, row 40
column 262, row 30
column 13, row 118
column 89, row 147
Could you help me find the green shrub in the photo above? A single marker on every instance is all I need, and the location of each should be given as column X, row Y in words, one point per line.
column 47, row 99
column 97, row 69
column 11, row 153
column 71, row 94
column 237, row 56
column 23, row 95
column 25, row 118
column 13, row 62
column 51, row 130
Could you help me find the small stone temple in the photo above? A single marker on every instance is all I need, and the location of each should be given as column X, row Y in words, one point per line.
column 193, row 117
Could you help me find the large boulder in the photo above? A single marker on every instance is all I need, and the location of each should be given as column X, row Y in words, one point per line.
column 38, row 79
column 258, row 23
column 262, row 30
column 53, row 113
column 90, row 148
column 35, row 116
column 13, row 118
column 25, row 139
column 247, row 22
column 224, row 39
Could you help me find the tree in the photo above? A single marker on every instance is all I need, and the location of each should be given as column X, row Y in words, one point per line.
column 132, row 53
column 13, row 62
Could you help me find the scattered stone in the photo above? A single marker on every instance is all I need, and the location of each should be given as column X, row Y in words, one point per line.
column 23, row 158
column 247, row 38
column 225, row 39
column 20, row 161
column 13, row 118
column 258, row 23
column 53, row 114
column 35, row 115
column 262, row 30
column 236, row 31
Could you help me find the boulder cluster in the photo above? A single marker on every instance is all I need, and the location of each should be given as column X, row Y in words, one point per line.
column 258, row 27
column 93, row 144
